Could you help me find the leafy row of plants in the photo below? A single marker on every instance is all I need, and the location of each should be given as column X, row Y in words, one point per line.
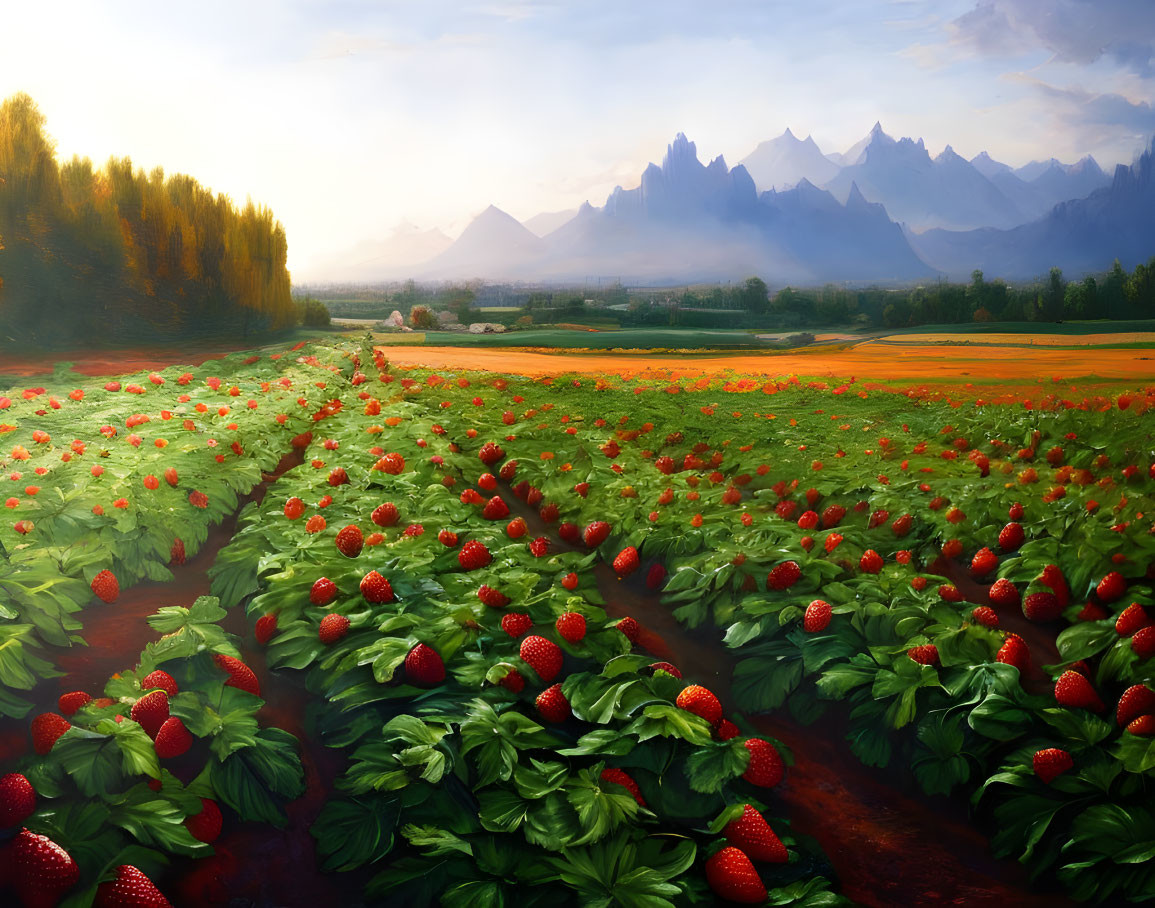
column 121, row 784
column 109, row 482
column 506, row 740
column 879, row 505
column 827, row 569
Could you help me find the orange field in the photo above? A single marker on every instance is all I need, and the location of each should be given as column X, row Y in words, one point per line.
column 898, row 362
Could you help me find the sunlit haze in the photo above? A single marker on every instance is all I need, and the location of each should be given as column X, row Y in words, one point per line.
column 348, row 118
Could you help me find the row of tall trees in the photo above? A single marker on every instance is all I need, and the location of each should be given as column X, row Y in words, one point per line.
column 117, row 255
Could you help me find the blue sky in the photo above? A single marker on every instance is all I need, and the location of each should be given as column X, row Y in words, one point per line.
column 348, row 117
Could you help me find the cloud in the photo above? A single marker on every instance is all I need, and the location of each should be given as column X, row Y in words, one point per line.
column 1073, row 31
column 1097, row 119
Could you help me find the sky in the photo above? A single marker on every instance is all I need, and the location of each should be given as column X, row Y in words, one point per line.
column 347, row 118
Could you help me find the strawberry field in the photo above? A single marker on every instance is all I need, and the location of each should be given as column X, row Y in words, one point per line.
column 442, row 635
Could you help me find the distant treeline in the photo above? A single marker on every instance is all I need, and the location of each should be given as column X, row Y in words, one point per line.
column 1115, row 294
column 116, row 255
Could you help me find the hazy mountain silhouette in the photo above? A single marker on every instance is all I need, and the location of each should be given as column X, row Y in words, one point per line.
column 692, row 222
column 493, row 245
column 1079, row 236
column 548, row 221
column 782, row 162
column 946, row 191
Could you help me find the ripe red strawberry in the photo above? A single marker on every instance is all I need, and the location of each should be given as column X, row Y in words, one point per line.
column 106, row 587
column 338, row 477
column 446, row 537
column 46, row 728
column 173, row 739
column 926, row 654
column 332, row 628
column 732, row 877
column 1016, row 511
column 902, row 525
column 240, row 675
column 72, row 701
column 473, row 555
column 1137, row 700
column 1004, row 594
column 1041, row 607
column 265, row 628
column 832, row 516
column 1052, row 576
column 1011, row 537
column 323, row 592
column 784, row 576
column 666, row 667
column 490, row 453
column 655, row 576
column 151, row 711
column 539, row 548
column 315, row 524
column 1144, row 725
column 17, row 799
column 552, row 705
column 1014, row 652
column 753, row 835
column 570, row 532
column 206, row 825
column 1050, row 763
column 176, row 554
column 596, row 533
column 514, row 681
column 629, row 626
column 570, row 581
column 1074, row 691
column 375, row 589
column 160, row 680
column 543, row 656
column 516, row 623
column 870, row 562
column 725, row 730
column 423, row 666
column 1111, row 587
column 549, row 513
column 571, row 626
column 626, row 561
column 516, row 528
column 701, row 702
column 491, row 597
column 349, row 541
column 385, row 515
column 617, row 776
column 766, row 768
column 1131, row 619
column 983, row 563
column 495, row 509
column 294, row 508
column 130, row 889
column 986, row 616
column 508, row 470
column 1092, row 611
column 948, row 592
column 1143, row 642
column 817, row 617
column 40, row 870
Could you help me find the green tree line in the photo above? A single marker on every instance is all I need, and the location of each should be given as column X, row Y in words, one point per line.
column 117, row 255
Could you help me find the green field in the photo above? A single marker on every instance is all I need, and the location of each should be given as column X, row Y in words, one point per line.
column 625, row 338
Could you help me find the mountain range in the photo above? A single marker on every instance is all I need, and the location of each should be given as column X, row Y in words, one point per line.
column 689, row 221
column 884, row 211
